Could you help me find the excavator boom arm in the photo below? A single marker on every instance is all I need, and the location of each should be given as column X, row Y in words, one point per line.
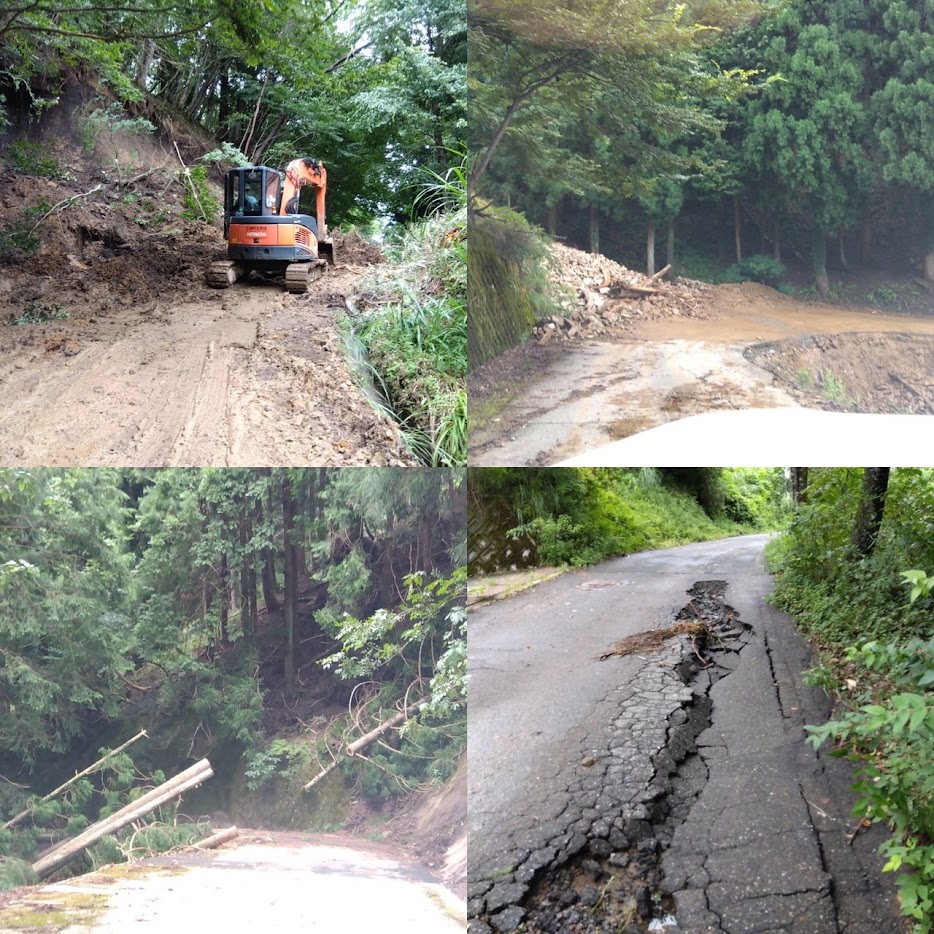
column 301, row 172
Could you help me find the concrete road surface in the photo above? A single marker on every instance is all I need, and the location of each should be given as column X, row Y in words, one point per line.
column 694, row 773
column 269, row 882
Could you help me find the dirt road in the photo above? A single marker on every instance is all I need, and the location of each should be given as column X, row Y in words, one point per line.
column 622, row 776
column 266, row 882
column 246, row 376
column 758, row 349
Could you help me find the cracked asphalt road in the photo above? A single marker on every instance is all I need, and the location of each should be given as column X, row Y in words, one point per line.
column 576, row 759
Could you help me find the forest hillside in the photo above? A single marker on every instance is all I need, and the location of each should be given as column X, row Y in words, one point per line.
column 303, row 630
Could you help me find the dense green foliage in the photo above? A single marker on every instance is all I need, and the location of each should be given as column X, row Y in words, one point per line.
column 579, row 516
column 415, row 336
column 200, row 605
column 871, row 615
column 374, row 89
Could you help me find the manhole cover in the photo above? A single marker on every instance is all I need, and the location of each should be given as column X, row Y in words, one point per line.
column 598, row 585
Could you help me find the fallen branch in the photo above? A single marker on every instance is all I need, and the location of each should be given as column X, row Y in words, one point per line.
column 659, row 274
column 217, row 839
column 64, row 203
column 13, row 821
column 65, row 852
column 321, row 775
column 191, row 185
column 368, row 738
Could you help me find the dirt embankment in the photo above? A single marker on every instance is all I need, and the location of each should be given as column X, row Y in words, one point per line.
column 113, row 350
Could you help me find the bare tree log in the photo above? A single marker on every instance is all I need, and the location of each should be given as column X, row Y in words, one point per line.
column 217, row 839
column 13, row 821
column 321, row 775
column 656, row 276
column 65, row 852
column 368, row 738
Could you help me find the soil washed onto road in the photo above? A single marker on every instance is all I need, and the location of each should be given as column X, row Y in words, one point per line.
column 748, row 347
column 114, row 351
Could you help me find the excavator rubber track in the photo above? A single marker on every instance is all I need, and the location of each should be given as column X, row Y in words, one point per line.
column 299, row 276
column 222, row 274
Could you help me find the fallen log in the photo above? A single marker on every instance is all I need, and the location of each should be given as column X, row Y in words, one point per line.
column 217, row 839
column 13, row 821
column 375, row 734
column 65, row 852
column 659, row 274
column 321, row 775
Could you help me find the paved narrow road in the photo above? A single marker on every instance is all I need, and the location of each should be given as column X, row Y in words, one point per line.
column 686, row 780
column 268, row 882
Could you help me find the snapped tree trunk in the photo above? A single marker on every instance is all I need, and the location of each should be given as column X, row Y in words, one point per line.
column 871, row 509
column 650, row 248
column 65, row 852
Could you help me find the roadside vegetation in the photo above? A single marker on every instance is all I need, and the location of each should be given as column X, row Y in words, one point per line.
column 856, row 569
column 264, row 618
column 579, row 516
column 414, row 326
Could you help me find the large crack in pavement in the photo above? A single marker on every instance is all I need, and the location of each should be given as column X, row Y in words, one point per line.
column 704, row 811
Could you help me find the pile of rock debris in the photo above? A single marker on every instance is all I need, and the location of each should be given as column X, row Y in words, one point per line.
column 604, row 297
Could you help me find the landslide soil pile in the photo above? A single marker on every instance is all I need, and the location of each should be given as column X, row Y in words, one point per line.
column 605, row 297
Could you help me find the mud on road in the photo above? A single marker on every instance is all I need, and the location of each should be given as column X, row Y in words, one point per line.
column 114, row 351
column 753, row 348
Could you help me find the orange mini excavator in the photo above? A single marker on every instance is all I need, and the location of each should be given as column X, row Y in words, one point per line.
column 266, row 234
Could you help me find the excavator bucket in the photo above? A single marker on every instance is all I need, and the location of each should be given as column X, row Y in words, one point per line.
column 326, row 250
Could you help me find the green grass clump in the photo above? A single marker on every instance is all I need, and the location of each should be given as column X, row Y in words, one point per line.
column 416, row 340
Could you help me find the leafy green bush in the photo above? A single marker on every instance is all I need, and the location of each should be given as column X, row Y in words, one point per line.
column 20, row 237
column 32, row 159
column 200, row 203
column 759, row 268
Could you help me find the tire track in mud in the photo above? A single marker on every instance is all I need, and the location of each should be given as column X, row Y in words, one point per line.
column 249, row 376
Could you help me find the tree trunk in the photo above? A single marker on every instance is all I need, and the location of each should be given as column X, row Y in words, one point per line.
column 842, row 248
column 64, row 853
column 269, row 581
column 145, row 63
column 799, row 485
column 247, row 622
column 819, row 257
column 777, row 246
column 291, row 581
column 871, row 509
column 865, row 238
column 552, row 221
column 594, row 229
column 737, row 231
column 929, row 266
column 650, row 248
column 670, row 244
column 225, row 600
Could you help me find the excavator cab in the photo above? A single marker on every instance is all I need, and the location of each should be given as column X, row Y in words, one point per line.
column 264, row 230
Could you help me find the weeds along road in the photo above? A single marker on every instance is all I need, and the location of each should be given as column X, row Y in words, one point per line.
column 246, row 376
column 268, row 881
column 668, row 780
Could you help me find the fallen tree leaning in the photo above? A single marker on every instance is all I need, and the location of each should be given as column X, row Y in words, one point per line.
column 65, row 852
